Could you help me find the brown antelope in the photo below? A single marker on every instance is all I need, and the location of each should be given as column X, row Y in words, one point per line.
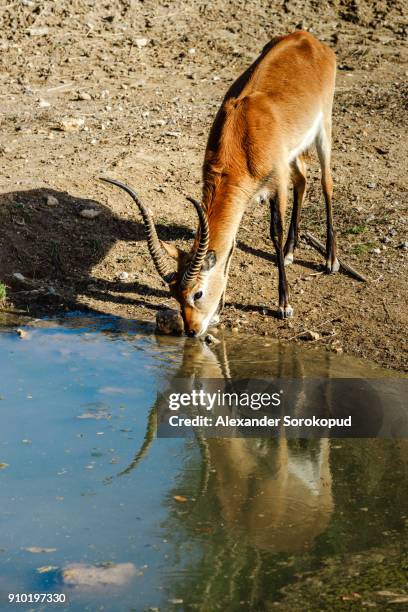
column 270, row 117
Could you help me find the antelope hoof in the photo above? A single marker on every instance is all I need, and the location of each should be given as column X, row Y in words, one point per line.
column 332, row 268
column 285, row 312
column 288, row 259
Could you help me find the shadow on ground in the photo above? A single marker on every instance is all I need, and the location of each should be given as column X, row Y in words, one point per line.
column 46, row 239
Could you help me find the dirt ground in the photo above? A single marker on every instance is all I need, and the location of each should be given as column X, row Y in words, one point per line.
column 128, row 89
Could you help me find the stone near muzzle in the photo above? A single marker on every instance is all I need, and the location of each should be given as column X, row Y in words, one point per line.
column 169, row 322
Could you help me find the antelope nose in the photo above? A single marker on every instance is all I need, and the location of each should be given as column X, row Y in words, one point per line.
column 191, row 333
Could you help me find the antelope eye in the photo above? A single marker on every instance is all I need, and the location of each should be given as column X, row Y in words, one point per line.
column 198, row 295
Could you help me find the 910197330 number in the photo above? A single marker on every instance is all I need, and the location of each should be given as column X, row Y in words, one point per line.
column 37, row 598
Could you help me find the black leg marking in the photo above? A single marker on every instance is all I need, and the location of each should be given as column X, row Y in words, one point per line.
column 285, row 310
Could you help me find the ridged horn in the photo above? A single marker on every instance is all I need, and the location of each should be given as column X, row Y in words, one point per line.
column 195, row 264
column 153, row 242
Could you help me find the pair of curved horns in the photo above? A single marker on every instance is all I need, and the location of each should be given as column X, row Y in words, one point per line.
column 153, row 242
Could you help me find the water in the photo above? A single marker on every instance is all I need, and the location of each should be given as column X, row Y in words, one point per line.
column 192, row 525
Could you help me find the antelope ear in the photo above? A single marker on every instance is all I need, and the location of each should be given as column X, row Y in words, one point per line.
column 209, row 261
column 172, row 250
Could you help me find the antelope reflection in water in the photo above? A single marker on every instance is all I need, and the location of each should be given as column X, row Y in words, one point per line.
column 276, row 492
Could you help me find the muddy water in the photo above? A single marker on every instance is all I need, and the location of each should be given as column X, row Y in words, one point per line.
column 94, row 507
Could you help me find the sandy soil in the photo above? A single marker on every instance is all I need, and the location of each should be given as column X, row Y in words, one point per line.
column 129, row 89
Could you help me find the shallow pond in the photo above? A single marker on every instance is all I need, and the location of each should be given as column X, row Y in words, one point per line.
column 95, row 507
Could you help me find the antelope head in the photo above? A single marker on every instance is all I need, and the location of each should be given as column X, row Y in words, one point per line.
column 199, row 281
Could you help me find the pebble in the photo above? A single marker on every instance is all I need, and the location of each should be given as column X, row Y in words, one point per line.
column 310, row 335
column 123, row 276
column 89, row 213
column 18, row 276
column 404, row 245
column 372, row 185
column 71, row 124
column 93, row 576
column 22, row 333
column 41, row 31
column 52, row 200
column 83, row 95
column 44, row 104
column 141, row 42
column 376, row 251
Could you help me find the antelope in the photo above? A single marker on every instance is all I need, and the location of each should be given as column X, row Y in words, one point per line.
column 269, row 119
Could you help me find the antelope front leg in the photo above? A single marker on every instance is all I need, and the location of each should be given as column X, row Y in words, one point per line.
column 277, row 208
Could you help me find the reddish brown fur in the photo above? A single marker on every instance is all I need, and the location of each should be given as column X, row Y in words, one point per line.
column 265, row 115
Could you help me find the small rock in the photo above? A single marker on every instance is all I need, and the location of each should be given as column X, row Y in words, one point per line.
column 372, row 185
column 19, row 277
column 40, row 31
column 116, row 574
column 83, row 95
column 52, row 200
column 404, row 246
column 169, row 322
column 235, row 330
column 141, row 42
column 44, row 104
column 310, row 335
column 211, row 340
column 22, row 333
column 71, row 124
column 123, row 276
column 89, row 213
column 381, row 150
column 376, row 251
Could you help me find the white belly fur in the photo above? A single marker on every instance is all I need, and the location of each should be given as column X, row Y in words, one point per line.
column 307, row 139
